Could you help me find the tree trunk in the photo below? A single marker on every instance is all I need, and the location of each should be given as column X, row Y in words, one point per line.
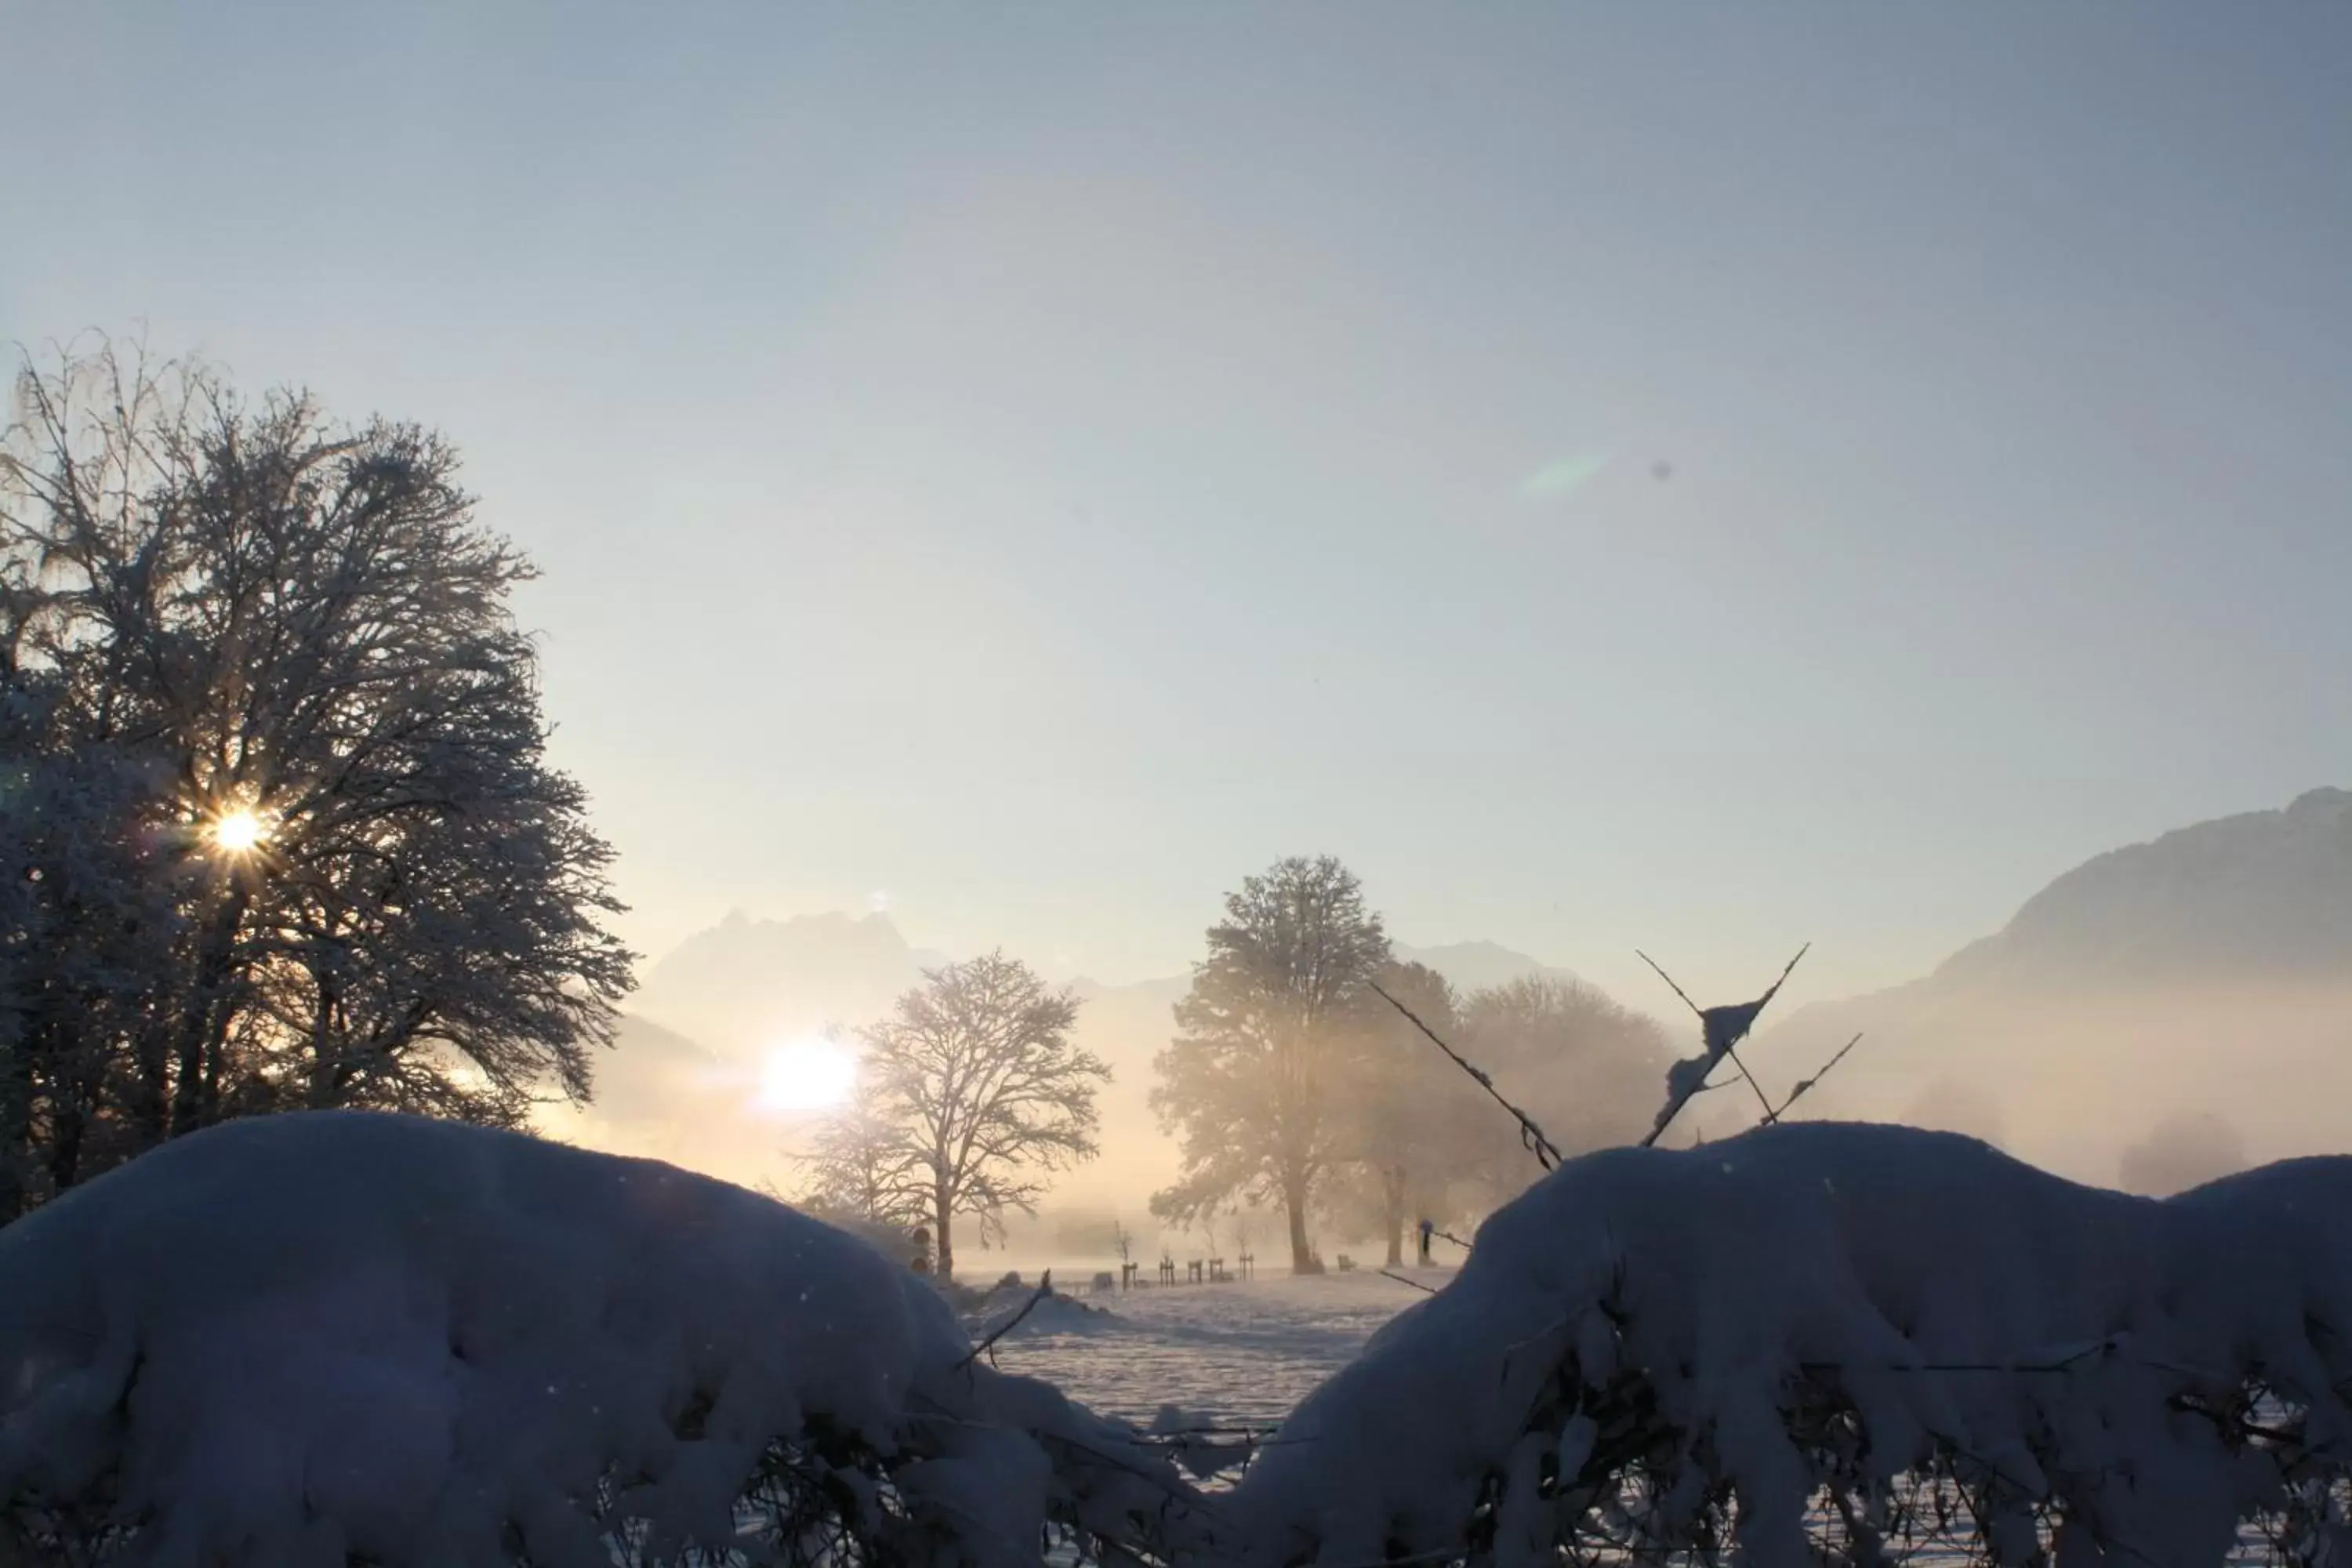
column 151, row 1108
column 69, row 1117
column 203, row 1025
column 326, row 1082
column 15, row 1127
column 943, row 1217
column 1294, row 1203
column 1393, row 1190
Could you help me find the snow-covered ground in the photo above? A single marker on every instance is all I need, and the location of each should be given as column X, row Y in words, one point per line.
column 1236, row 1353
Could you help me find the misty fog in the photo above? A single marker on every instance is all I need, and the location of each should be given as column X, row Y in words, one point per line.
column 2163, row 1015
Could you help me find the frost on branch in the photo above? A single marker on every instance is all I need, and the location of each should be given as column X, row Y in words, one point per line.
column 1842, row 1340
column 334, row 1337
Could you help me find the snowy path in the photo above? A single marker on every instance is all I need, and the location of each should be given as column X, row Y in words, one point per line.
column 1236, row 1353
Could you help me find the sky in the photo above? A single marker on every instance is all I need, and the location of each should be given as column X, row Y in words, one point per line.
column 1699, row 478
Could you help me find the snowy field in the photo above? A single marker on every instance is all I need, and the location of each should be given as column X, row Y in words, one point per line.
column 1236, row 1353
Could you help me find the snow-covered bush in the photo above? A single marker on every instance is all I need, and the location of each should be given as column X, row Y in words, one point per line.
column 1823, row 1342
column 344, row 1337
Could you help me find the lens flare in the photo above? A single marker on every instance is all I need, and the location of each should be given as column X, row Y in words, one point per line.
column 1555, row 482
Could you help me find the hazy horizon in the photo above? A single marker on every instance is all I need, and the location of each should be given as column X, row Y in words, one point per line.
column 1614, row 478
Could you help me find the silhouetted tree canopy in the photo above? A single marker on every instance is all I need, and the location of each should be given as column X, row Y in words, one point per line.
column 1266, row 1040
column 279, row 829
column 1584, row 1067
column 1413, row 1126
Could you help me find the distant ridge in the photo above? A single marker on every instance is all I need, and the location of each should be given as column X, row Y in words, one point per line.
column 746, row 984
column 2207, row 971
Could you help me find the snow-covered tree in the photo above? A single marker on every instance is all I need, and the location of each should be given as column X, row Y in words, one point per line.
column 1267, row 1038
column 294, row 635
column 974, row 1083
column 88, row 917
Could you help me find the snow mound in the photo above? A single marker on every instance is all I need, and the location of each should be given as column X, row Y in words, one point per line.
column 320, row 1338
column 1840, row 1329
column 1009, row 1315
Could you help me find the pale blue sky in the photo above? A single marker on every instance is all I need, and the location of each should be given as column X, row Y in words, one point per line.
column 1047, row 461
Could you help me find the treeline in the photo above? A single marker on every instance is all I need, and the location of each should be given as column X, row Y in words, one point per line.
column 277, row 827
column 1294, row 1086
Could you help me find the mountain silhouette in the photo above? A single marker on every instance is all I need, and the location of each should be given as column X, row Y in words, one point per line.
column 2208, row 972
column 746, row 985
column 2266, row 893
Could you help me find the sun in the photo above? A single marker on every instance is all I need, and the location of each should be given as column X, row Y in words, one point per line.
column 239, row 832
column 807, row 1075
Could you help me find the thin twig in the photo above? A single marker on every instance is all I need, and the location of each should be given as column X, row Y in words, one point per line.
column 1424, row 1289
column 1805, row 1085
column 1044, row 1289
column 1696, row 1011
column 2104, row 1349
column 1791, row 969
column 1546, row 1152
column 1732, row 1052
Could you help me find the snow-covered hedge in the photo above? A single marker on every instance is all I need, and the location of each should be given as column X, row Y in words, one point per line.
column 1828, row 1342
column 344, row 1338
column 321, row 1339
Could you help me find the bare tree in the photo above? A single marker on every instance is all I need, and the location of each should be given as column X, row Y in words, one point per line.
column 295, row 635
column 975, row 1071
column 1265, row 1036
column 864, row 1167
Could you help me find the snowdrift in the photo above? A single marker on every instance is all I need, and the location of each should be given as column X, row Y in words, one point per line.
column 1844, row 1339
column 321, row 1338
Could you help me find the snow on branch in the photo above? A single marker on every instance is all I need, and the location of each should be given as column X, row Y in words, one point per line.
column 341, row 1337
column 1825, row 1342
column 1720, row 1031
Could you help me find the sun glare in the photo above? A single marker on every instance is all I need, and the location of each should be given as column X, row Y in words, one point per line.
column 807, row 1075
column 239, row 832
